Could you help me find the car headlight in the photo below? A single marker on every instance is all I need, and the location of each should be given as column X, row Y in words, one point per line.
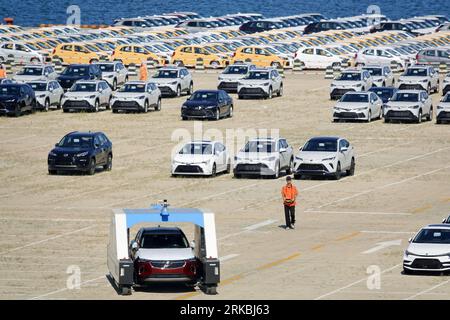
column 424, row 80
column 329, row 159
column 440, row 107
column 333, row 85
column 265, row 84
column 358, row 85
column 415, row 107
column 109, row 76
column 220, row 79
column 141, row 97
column 407, row 253
column 183, row 107
column 83, row 154
column 10, row 100
column 91, row 97
column 40, row 96
column 174, row 82
column 52, row 154
column 210, row 107
column 236, row 158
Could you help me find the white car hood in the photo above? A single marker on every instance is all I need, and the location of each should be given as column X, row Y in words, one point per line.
column 346, row 83
column 412, row 79
column 166, row 254
column 164, row 80
column 231, row 76
column 25, row 78
column 402, row 104
column 428, row 248
column 255, row 155
column 130, row 95
column 253, row 82
column 192, row 158
column 315, row 156
column 352, row 105
column 70, row 94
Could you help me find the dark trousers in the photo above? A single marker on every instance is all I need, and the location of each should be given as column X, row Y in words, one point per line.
column 289, row 213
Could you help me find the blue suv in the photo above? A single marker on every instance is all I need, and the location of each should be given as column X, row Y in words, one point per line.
column 81, row 151
column 16, row 99
column 75, row 72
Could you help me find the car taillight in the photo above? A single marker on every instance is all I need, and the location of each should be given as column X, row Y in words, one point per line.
column 234, row 54
column 114, row 52
column 295, row 55
column 173, row 54
column 356, row 55
column 417, row 57
column 54, row 51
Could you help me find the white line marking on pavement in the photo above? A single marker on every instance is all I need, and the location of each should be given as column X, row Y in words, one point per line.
column 228, row 257
column 427, row 290
column 383, row 245
column 362, row 212
column 45, row 240
column 353, row 283
column 260, row 225
column 388, row 232
column 15, row 139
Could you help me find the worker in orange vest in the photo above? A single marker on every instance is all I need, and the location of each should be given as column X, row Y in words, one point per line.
column 289, row 194
column 143, row 71
column 2, row 71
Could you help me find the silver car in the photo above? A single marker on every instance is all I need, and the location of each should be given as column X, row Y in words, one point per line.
column 173, row 81
column 350, row 80
column 262, row 83
column 87, row 95
column 36, row 73
column 48, row 94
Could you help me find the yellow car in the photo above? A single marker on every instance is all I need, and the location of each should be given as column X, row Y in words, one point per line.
column 77, row 53
column 260, row 57
column 135, row 54
column 188, row 55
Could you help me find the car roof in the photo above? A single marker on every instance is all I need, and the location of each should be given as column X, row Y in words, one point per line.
column 83, row 133
column 90, row 81
column 161, row 230
column 410, row 91
column 334, row 138
column 438, row 226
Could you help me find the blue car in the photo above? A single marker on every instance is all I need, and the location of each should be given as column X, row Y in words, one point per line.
column 385, row 93
column 16, row 98
column 207, row 104
column 81, row 151
column 75, row 72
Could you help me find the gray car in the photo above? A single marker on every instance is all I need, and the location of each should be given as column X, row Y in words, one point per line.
column 434, row 56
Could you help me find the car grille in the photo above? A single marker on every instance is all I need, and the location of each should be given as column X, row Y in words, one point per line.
column 399, row 114
column 76, row 104
column 351, row 115
column 244, row 91
column 405, row 86
column 125, row 104
column 251, row 167
column 64, row 161
column 426, row 264
column 340, row 92
column 166, row 90
column 188, row 169
column 228, row 85
column 194, row 112
column 164, row 264
column 444, row 115
column 312, row 167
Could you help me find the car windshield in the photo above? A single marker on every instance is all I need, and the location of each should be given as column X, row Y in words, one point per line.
column 106, row 67
column 210, row 96
column 133, row 87
column 197, row 148
column 374, row 71
column 38, row 86
column 166, row 74
column 446, row 98
column 406, row 96
column 75, row 71
column 433, row 236
column 30, row 71
column 236, row 70
column 321, row 145
column 347, row 76
column 163, row 241
column 354, row 97
column 416, row 72
column 76, row 141
column 258, row 75
column 84, row 87
column 260, row 146
column 383, row 93
column 9, row 90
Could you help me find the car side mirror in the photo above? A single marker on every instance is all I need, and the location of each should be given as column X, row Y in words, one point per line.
column 410, row 240
column 181, row 77
column 134, row 245
column 56, row 144
column 96, row 146
column 193, row 244
column 282, row 150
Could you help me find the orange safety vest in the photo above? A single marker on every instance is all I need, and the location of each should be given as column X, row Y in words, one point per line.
column 289, row 193
column 143, row 72
column 2, row 73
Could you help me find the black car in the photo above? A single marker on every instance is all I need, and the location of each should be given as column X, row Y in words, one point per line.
column 259, row 26
column 394, row 25
column 207, row 104
column 76, row 72
column 325, row 26
column 385, row 93
column 81, row 151
column 16, row 98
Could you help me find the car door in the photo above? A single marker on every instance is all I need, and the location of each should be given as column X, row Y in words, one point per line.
column 151, row 94
column 389, row 76
column 99, row 150
column 106, row 93
column 426, row 102
column 51, row 93
column 282, row 154
column 121, row 73
column 434, row 77
column 220, row 156
column 21, row 53
column 343, row 154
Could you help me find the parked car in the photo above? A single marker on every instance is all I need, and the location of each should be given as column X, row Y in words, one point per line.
column 262, row 83
column 136, row 96
column 35, row 73
column 114, row 73
column 358, row 106
column 135, row 54
column 433, row 56
column 188, row 55
column 381, row 56
column 419, row 78
column 319, row 58
column 81, row 151
column 48, row 94
column 264, row 157
column 163, row 254
column 446, row 84
column 259, row 26
column 382, row 76
column 173, row 81
column 19, row 53
column 428, row 250
column 78, row 53
column 411, row 105
column 16, row 99
column 89, row 95
column 230, row 77
column 201, row 158
column 443, row 110
column 350, row 80
column 326, row 157
column 75, row 72
column 385, row 93
column 259, row 56
column 207, row 104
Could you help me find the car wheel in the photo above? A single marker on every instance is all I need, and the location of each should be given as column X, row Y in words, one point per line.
column 419, row 118
column 178, row 91
column 60, row 103
column 369, row 116
column 92, row 167
column 215, row 65
column 184, row 118
column 289, row 169
column 18, row 111
column 429, row 89
column 158, row 105
column 46, row 105
column 52, row 172
column 96, row 106
column 146, row 106
column 214, row 170
column 34, row 60
column 269, row 95
column 93, row 61
column 280, row 92
column 275, row 65
column 351, row 171
column 337, row 175
column 383, row 84
column 178, row 63
column 114, row 86
column 407, row 272
column 228, row 171
column 277, row 171
column 125, row 290
column 230, row 113
column 430, row 114
column 191, row 89
column 108, row 165
column 217, row 115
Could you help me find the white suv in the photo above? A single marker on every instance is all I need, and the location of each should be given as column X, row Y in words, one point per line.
column 136, row 96
column 261, row 83
column 36, row 73
column 114, row 73
column 382, row 76
column 419, row 78
column 264, row 157
column 48, row 94
column 446, row 84
column 410, row 105
column 443, row 110
column 173, row 81
column 319, row 58
column 350, row 80
column 229, row 78
column 88, row 95
column 325, row 156
column 201, row 158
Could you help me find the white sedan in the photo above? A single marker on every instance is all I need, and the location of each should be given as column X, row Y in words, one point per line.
column 428, row 250
column 201, row 158
column 325, row 156
column 358, row 106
